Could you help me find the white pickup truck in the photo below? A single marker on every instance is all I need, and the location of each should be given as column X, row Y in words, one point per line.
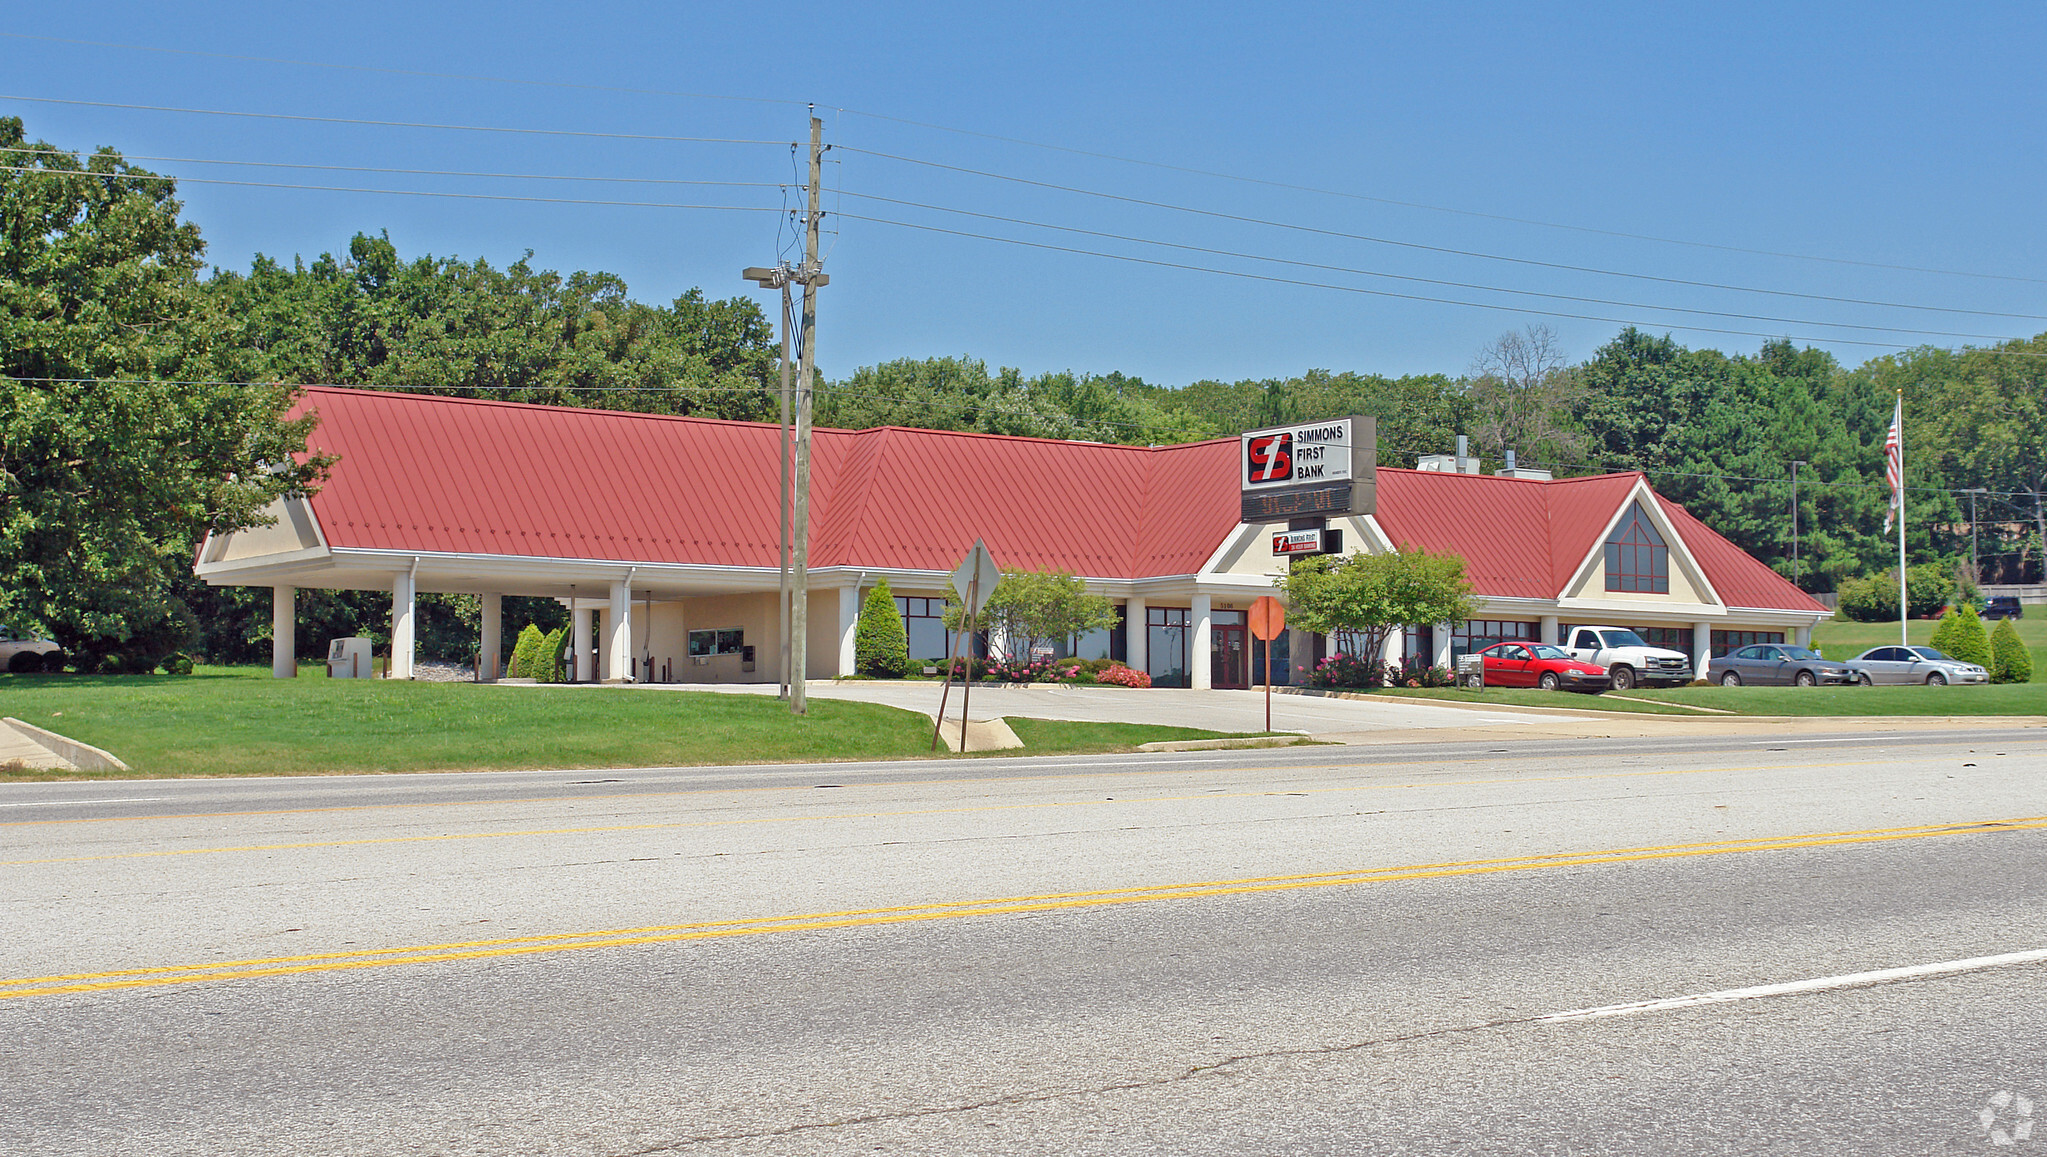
column 1629, row 660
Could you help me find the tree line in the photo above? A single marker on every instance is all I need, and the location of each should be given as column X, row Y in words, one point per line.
column 143, row 402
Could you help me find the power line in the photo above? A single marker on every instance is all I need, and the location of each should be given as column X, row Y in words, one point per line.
column 1415, row 279
column 1161, row 165
column 393, row 192
column 1446, row 250
column 126, row 157
column 279, row 116
column 1519, row 309
column 403, row 71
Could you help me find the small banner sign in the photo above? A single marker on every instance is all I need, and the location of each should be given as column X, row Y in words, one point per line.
column 1297, row 542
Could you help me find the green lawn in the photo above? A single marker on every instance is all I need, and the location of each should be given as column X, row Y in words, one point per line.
column 239, row 721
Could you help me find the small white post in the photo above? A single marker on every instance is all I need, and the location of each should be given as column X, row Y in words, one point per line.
column 402, row 591
column 491, row 647
column 284, row 661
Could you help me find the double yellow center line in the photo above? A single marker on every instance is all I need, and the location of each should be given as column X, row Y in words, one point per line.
column 913, row 913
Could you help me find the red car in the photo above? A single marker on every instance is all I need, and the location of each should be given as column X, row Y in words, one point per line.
column 1540, row 665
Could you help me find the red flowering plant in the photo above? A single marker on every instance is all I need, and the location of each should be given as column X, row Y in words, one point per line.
column 1417, row 673
column 1342, row 670
column 1123, row 676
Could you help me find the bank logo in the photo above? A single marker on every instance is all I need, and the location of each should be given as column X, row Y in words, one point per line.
column 2007, row 1119
column 1272, row 457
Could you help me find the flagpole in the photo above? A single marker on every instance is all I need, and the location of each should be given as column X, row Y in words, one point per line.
column 1898, row 421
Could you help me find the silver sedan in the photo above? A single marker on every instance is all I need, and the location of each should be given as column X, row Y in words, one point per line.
column 1913, row 665
column 1767, row 663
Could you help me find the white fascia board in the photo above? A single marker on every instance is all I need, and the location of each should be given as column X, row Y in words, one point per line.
column 1674, row 612
column 1380, row 539
column 230, row 573
column 1244, row 531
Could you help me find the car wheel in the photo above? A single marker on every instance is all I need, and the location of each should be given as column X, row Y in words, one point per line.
column 1805, row 679
column 1623, row 678
column 25, row 662
column 1474, row 682
column 1936, row 680
column 1730, row 679
column 1549, row 680
column 1862, row 679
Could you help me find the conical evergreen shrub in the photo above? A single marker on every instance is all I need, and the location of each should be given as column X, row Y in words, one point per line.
column 881, row 646
column 522, row 653
column 2010, row 661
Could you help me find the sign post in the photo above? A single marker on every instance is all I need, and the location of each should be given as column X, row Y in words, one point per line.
column 1267, row 620
column 975, row 579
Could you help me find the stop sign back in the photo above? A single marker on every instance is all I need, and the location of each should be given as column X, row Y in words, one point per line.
column 1267, row 618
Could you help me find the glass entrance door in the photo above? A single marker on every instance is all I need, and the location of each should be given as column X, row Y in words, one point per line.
column 1226, row 658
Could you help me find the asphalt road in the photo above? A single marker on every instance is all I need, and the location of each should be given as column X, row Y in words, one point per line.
column 1335, row 950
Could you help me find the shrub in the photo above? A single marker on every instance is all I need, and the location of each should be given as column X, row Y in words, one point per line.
column 1417, row 672
column 1874, row 598
column 881, row 647
column 1123, row 676
column 522, row 653
column 1961, row 635
column 2010, row 662
column 178, row 664
column 547, row 657
column 1342, row 670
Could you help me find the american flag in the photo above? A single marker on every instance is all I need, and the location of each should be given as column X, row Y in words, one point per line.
column 1894, row 464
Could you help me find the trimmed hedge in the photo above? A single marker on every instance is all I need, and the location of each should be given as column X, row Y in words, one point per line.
column 881, row 645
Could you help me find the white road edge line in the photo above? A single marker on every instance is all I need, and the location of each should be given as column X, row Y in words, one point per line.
column 1822, row 984
column 82, row 802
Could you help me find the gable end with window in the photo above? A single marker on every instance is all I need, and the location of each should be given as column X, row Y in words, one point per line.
column 1637, row 558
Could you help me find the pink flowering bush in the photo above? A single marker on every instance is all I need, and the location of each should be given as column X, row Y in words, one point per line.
column 1341, row 670
column 1123, row 676
column 1416, row 673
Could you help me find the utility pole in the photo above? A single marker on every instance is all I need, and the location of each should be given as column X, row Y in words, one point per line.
column 1975, row 571
column 1795, row 464
column 795, row 586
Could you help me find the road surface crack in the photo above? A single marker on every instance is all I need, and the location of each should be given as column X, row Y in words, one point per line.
column 1196, row 1072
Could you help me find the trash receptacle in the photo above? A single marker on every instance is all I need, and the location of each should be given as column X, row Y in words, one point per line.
column 1471, row 672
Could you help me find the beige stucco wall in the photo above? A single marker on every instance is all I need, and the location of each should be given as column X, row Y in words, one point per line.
column 669, row 624
column 292, row 531
column 1252, row 554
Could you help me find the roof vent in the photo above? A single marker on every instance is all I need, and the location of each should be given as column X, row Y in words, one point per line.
column 1510, row 470
column 1458, row 463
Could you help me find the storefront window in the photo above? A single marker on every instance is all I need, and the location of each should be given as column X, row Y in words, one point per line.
column 924, row 623
column 1725, row 641
column 1478, row 634
column 1166, row 631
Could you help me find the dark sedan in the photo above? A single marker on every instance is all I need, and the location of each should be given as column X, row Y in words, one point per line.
column 1774, row 664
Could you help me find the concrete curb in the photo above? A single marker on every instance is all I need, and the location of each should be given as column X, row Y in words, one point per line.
column 1225, row 744
column 81, row 756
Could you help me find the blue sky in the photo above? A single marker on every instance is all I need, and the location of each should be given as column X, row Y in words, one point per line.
column 1870, row 133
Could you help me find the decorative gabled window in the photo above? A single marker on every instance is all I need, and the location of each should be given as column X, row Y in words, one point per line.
column 1636, row 557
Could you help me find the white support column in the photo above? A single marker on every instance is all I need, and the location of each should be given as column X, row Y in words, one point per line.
column 1200, row 661
column 1805, row 636
column 1136, row 635
column 284, row 655
column 1394, row 649
column 491, row 647
column 1549, row 629
column 581, row 627
column 1442, row 632
column 849, row 621
column 1702, row 648
column 618, row 635
column 401, row 626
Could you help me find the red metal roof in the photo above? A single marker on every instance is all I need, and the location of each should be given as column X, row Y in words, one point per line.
column 456, row 475
column 429, row 473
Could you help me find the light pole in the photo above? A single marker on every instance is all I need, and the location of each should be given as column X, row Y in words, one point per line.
column 1795, row 464
column 1975, row 572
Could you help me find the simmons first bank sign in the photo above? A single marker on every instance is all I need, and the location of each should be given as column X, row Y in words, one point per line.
column 1320, row 469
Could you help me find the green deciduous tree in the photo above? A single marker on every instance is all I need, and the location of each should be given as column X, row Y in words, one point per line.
column 2010, row 661
column 1359, row 599
column 110, row 470
column 881, row 646
column 1038, row 610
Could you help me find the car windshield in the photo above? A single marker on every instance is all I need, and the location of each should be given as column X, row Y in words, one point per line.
column 1622, row 639
column 1931, row 655
column 1546, row 652
column 1800, row 654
